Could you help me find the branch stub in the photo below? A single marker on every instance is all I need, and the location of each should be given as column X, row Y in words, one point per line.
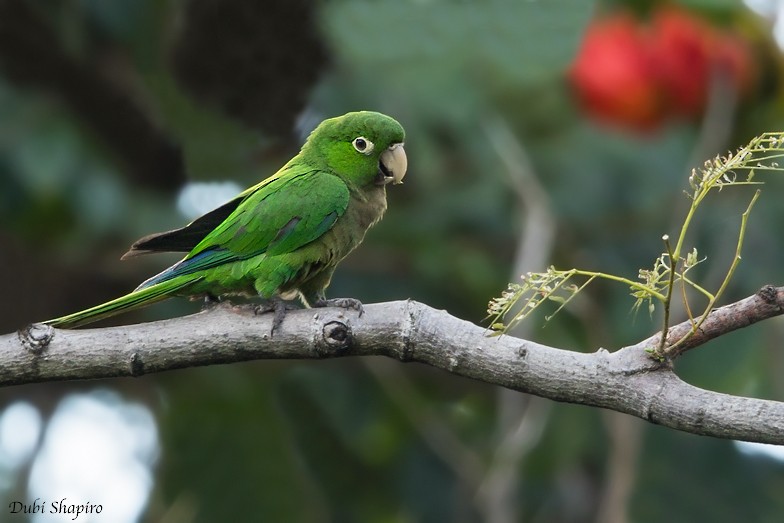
column 336, row 337
column 36, row 337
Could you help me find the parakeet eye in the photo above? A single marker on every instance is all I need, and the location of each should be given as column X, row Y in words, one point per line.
column 362, row 145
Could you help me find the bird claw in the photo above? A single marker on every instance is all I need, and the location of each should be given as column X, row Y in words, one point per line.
column 210, row 302
column 343, row 303
column 277, row 306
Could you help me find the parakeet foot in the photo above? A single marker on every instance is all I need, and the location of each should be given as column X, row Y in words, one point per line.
column 210, row 302
column 343, row 303
column 277, row 306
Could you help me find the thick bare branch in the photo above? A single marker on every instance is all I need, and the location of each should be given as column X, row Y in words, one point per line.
column 627, row 380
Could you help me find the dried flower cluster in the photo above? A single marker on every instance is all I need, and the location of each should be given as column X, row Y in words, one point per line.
column 669, row 274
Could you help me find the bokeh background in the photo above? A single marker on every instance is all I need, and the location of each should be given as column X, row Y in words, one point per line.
column 558, row 131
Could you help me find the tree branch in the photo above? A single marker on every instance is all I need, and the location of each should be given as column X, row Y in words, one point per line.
column 627, row 380
column 766, row 303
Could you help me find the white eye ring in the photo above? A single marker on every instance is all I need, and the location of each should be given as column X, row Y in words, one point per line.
column 362, row 145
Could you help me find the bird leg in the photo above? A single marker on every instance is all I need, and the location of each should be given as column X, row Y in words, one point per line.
column 210, row 302
column 276, row 305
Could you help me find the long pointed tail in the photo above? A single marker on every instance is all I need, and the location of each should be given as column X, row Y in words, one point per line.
column 134, row 300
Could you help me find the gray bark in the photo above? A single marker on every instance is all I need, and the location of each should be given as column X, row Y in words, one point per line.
column 627, row 380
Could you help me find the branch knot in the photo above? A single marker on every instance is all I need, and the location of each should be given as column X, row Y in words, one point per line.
column 768, row 294
column 336, row 338
column 36, row 337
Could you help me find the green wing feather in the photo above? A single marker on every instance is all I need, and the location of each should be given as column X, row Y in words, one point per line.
column 185, row 238
column 274, row 218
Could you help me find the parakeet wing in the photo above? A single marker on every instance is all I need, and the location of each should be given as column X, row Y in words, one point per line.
column 273, row 218
column 185, row 238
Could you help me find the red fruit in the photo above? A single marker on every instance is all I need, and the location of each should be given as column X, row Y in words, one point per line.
column 682, row 47
column 637, row 75
column 614, row 76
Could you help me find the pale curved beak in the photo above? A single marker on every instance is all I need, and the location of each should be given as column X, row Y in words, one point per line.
column 393, row 163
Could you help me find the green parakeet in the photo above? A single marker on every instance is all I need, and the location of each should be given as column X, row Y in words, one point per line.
column 284, row 237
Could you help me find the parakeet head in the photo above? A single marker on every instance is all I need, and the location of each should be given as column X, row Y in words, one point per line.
column 363, row 147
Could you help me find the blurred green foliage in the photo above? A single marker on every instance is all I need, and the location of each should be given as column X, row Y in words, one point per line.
column 362, row 441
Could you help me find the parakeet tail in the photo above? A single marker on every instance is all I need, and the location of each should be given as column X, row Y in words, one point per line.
column 134, row 300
